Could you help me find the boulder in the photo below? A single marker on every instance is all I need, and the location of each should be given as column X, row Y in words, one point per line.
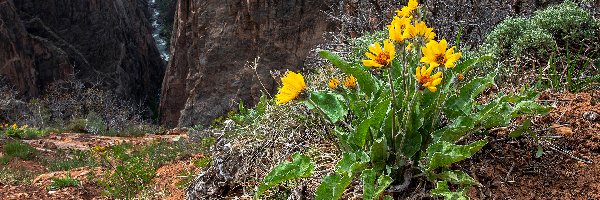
column 212, row 42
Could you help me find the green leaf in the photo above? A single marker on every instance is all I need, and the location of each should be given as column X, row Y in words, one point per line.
column 413, row 139
column 465, row 66
column 352, row 162
column 366, row 82
column 540, row 152
column 530, row 108
column 379, row 153
column 461, row 104
column 443, row 190
column 360, row 134
column 388, row 197
column 499, row 115
column 379, row 113
column 443, row 153
column 370, row 190
column 450, row 134
column 300, row 167
column 333, row 186
column 457, row 177
column 331, row 104
column 522, row 129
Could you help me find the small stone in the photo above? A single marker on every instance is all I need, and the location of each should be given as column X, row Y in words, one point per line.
column 591, row 116
column 563, row 130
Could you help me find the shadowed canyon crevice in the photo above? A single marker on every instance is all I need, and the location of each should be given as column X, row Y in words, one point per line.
column 106, row 42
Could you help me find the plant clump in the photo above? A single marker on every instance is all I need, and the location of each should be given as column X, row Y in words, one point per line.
column 399, row 119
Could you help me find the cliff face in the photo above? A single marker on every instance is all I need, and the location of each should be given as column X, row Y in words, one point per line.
column 107, row 42
column 214, row 39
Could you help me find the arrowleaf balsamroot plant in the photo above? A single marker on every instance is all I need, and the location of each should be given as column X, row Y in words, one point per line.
column 402, row 120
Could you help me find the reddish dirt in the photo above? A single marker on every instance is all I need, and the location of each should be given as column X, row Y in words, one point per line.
column 80, row 141
column 166, row 180
column 170, row 179
column 570, row 167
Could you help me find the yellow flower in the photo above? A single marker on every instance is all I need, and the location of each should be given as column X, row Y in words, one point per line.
column 424, row 77
column 436, row 54
column 333, row 83
column 14, row 126
column 350, row 82
column 293, row 85
column 380, row 57
column 419, row 29
column 407, row 11
column 396, row 28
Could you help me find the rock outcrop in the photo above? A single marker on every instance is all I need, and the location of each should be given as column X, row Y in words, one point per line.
column 212, row 42
column 106, row 42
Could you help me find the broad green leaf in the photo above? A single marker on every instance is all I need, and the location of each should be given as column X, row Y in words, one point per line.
column 344, row 139
column 443, row 190
column 466, row 65
column 366, row 82
column 300, row 167
column 461, row 104
column 450, row 134
column 360, row 134
column 331, row 104
column 333, row 186
column 522, row 129
column 412, row 138
column 443, row 153
column 371, row 189
column 499, row 115
column 530, row 108
column 352, row 162
column 379, row 153
column 368, row 178
column 379, row 113
column 457, row 177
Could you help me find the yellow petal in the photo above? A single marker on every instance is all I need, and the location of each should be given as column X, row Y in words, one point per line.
column 436, row 75
column 370, row 56
column 371, row 63
column 436, row 81
column 375, row 48
column 432, row 89
column 442, row 46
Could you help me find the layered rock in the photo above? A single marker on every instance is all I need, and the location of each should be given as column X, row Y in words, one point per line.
column 212, row 42
column 106, row 42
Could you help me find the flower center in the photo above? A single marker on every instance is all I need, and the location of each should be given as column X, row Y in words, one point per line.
column 383, row 58
column 424, row 79
column 440, row 59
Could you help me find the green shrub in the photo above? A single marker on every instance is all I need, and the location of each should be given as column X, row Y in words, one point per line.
column 402, row 117
column 540, row 34
column 78, row 159
column 58, row 183
column 17, row 149
column 128, row 178
column 23, row 132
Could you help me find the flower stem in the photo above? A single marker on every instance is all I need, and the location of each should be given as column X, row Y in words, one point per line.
column 390, row 75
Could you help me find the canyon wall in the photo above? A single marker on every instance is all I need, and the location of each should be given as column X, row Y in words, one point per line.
column 101, row 42
column 212, row 42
